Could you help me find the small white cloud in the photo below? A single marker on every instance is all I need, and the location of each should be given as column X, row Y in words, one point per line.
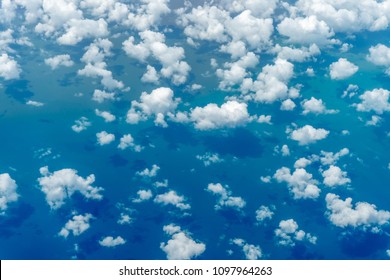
column 264, row 213
column 308, row 134
column 181, row 246
column 225, row 199
column 59, row 60
column 334, row 176
column 315, row 106
column 81, row 124
column 104, row 138
column 62, row 184
column 251, row 252
column 149, row 172
column 150, row 76
column 266, row 179
column 363, row 215
column 110, row 241
column 230, row 114
column 302, row 163
column 301, row 183
column 143, row 195
column 376, row 100
column 107, row 116
column 127, row 141
column 287, row 105
column 379, row 55
column 375, row 121
column 172, row 198
column 34, row 103
column 285, row 151
column 265, row 119
column 124, row 219
column 100, row 96
column 329, row 158
column 342, row 69
column 8, row 192
column 9, row 68
column 209, row 158
column 288, row 233
column 77, row 225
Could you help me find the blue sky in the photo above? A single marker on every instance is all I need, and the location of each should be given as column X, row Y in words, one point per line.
column 194, row 130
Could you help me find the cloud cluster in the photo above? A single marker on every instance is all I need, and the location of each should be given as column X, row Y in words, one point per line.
column 225, row 198
column 181, row 246
column 127, row 141
column 8, row 192
column 77, row 225
column 287, row 233
column 209, row 158
column 251, row 252
column 149, row 172
column 264, row 213
column 81, row 124
column 62, row 184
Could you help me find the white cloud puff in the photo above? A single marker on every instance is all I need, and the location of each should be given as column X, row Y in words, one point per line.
column 315, row 106
column 343, row 213
column 334, row 176
column 264, row 213
column 110, row 241
column 149, row 172
column 62, row 184
column 251, row 252
column 127, row 141
column 8, row 192
column 104, row 138
column 308, row 134
column 77, row 225
column 301, row 183
column 376, row 100
column 342, row 69
column 34, row 103
column 9, row 68
column 230, row 114
column 379, row 55
column 59, row 60
column 107, row 116
column 172, row 198
column 100, row 96
column 143, row 195
column 181, row 246
column 159, row 103
column 81, row 124
column 288, row 233
column 296, row 54
column 225, row 199
column 209, row 158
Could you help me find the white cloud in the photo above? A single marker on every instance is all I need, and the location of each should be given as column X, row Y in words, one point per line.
column 251, row 252
column 306, row 30
column 149, row 172
column 329, row 158
column 124, row 219
column 288, row 233
column 225, row 199
column 59, row 60
column 9, row 68
column 376, row 100
column 296, row 54
column 230, row 114
column 172, row 198
column 285, row 151
column 287, row 105
column 100, row 96
column 265, row 119
column 150, row 76
column 264, row 213
column 128, row 141
column 209, row 158
column 308, row 134
column 77, row 225
column 301, row 183
column 8, row 192
column 334, row 176
column 159, row 103
column 104, row 138
column 143, row 195
column 379, row 55
column 81, row 124
column 107, row 116
column 110, row 241
column 375, row 121
column 343, row 213
column 315, row 106
column 302, row 163
column 342, row 69
column 34, row 103
column 181, row 246
column 62, row 184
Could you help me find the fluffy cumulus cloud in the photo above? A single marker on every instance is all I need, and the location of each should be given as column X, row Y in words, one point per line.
column 301, row 183
column 380, row 55
column 8, row 192
column 77, row 225
column 334, row 176
column 288, row 233
column 181, row 246
column 308, row 134
column 9, row 68
column 315, row 106
column 376, row 100
column 159, row 103
column 342, row 69
column 209, row 158
column 343, row 213
column 264, row 213
column 59, row 60
column 306, row 30
column 143, row 195
column 104, row 138
column 230, row 114
column 110, row 241
column 81, row 124
column 172, row 198
column 170, row 58
column 301, row 54
column 127, row 141
column 225, row 198
column 100, row 96
column 62, row 184
column 107, row 116
column 152, row 172
column 251, row 252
